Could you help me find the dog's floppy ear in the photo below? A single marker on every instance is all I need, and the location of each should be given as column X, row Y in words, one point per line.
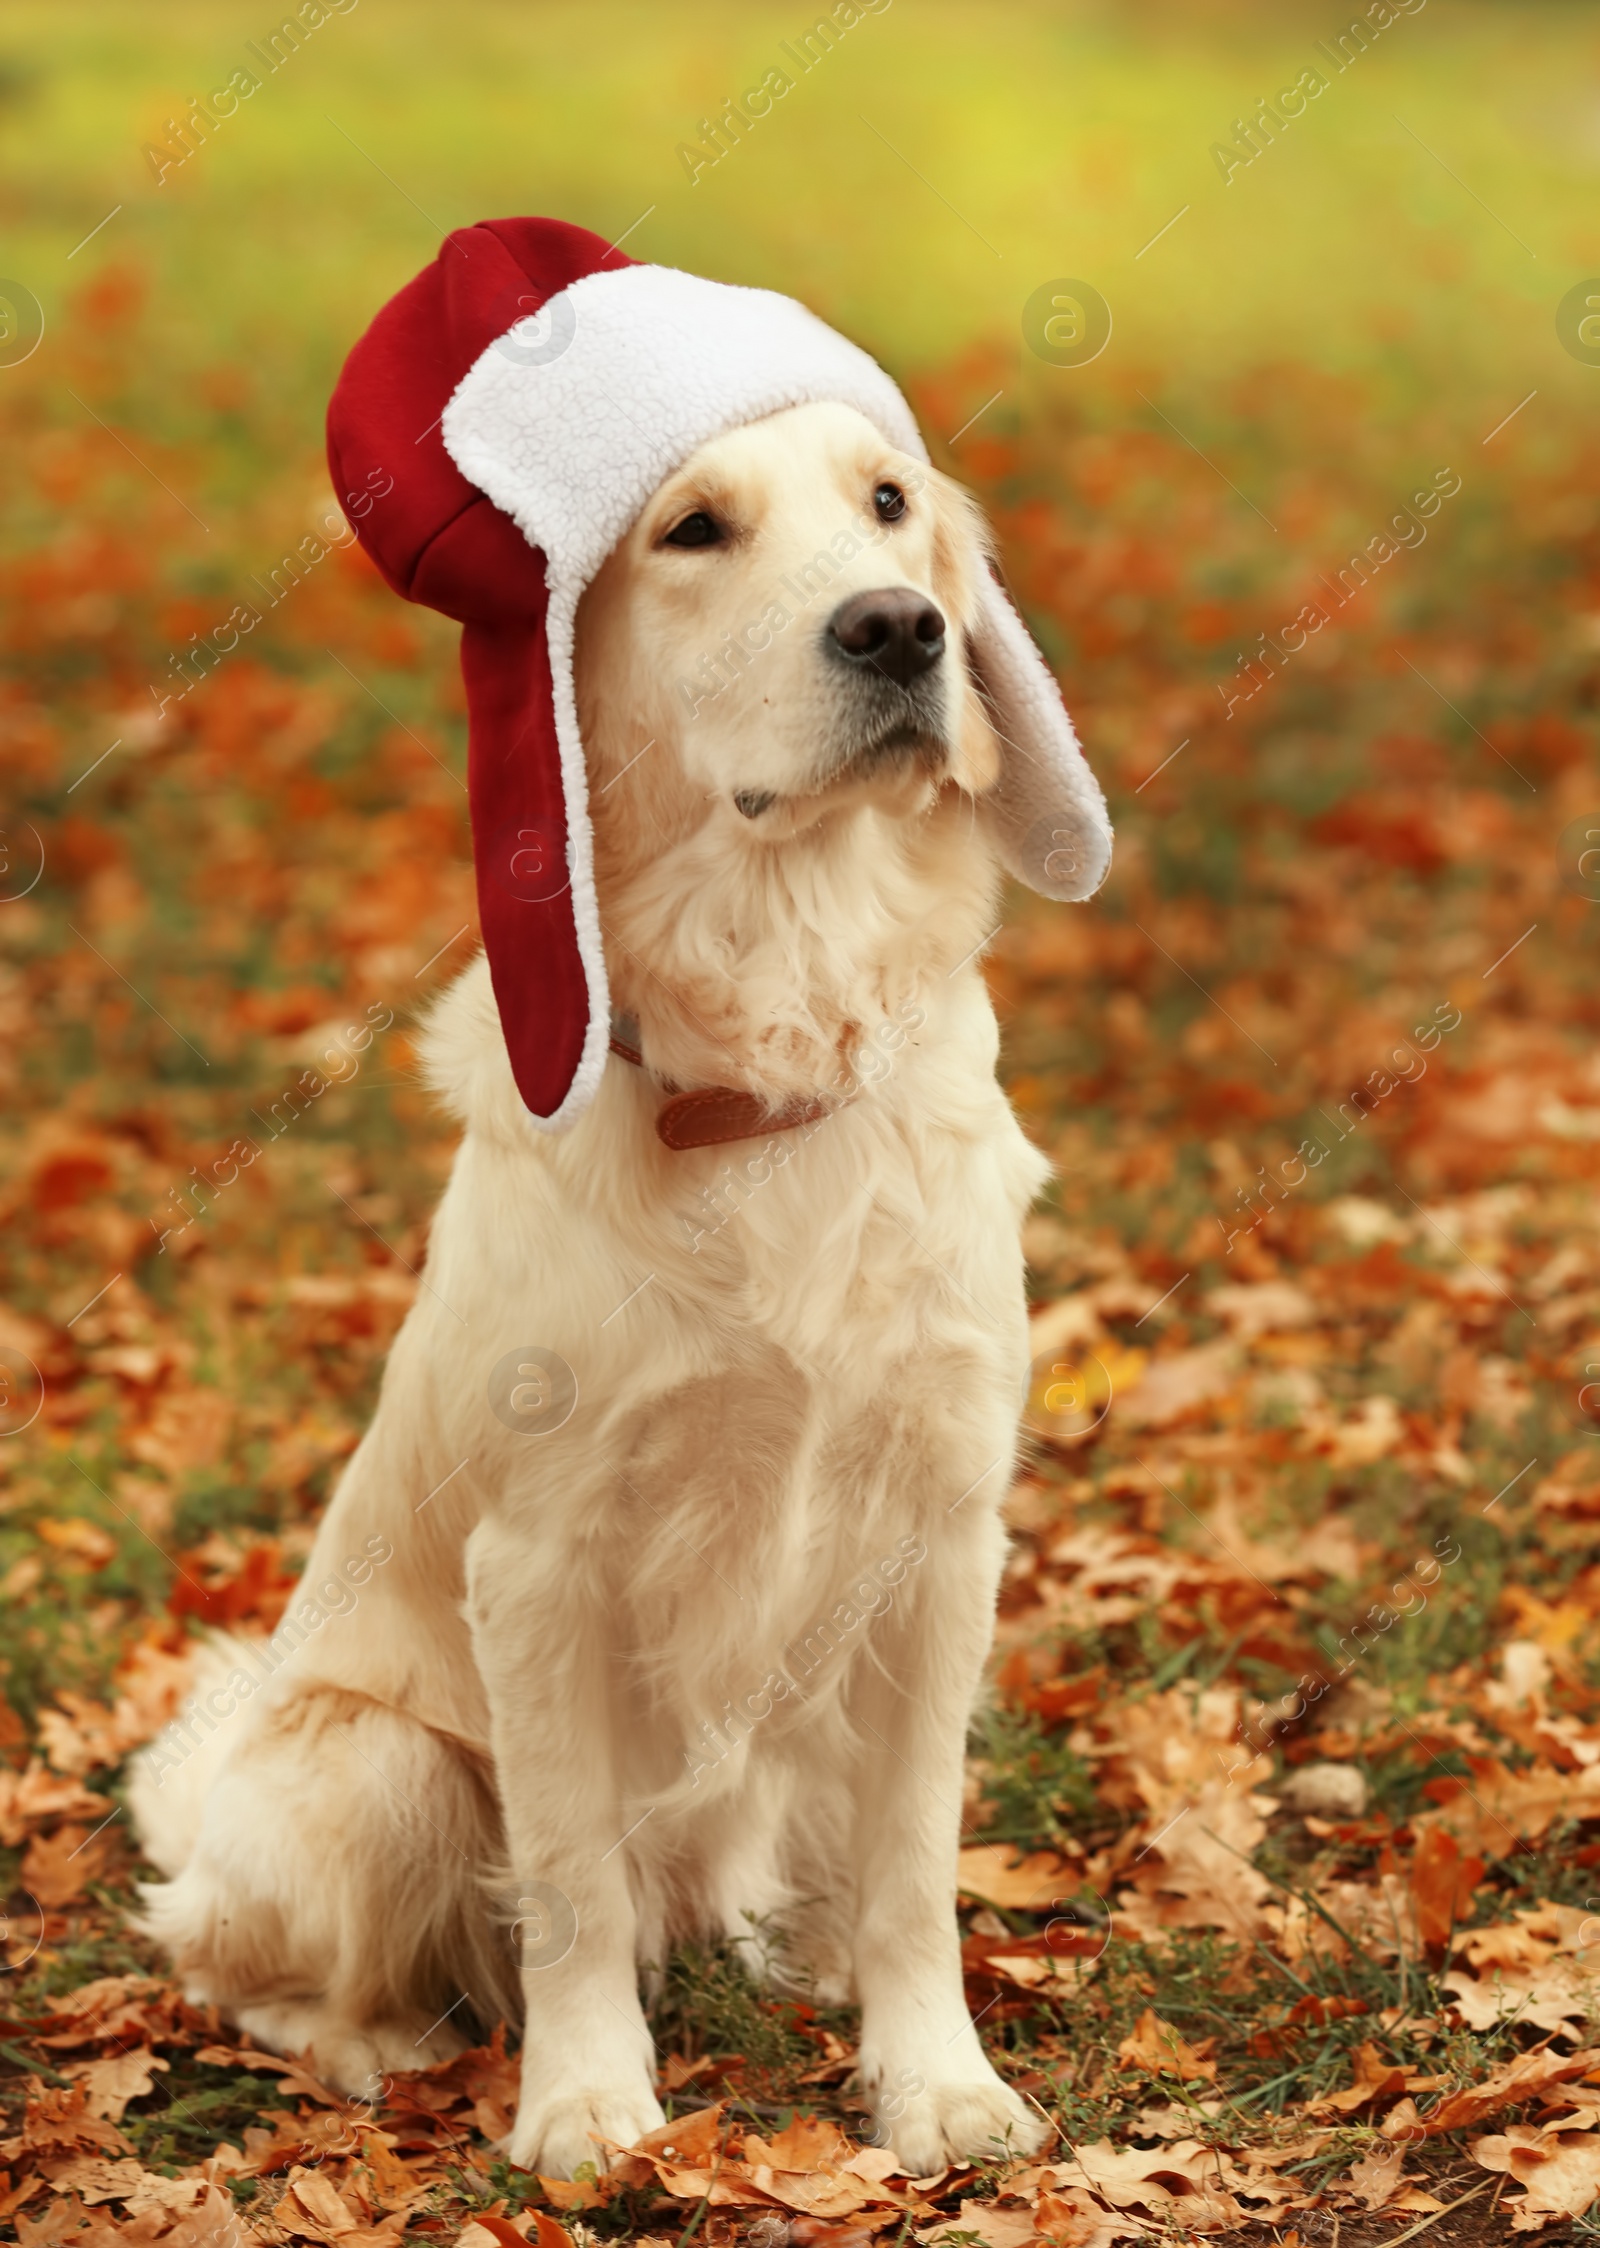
column 1046, row 810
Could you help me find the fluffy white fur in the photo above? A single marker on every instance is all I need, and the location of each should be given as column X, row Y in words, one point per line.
column 702, row 1658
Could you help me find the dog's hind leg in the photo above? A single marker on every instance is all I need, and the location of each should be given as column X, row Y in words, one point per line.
column 335, row 1899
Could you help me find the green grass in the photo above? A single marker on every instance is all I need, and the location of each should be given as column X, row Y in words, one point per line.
column 1037, row 1785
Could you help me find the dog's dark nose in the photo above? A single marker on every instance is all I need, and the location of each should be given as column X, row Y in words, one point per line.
column 894, row 631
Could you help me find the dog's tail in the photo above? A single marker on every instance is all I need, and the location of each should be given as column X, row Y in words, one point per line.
column 169, row 1780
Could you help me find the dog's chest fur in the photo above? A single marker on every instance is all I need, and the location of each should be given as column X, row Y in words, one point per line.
column 782, row 1348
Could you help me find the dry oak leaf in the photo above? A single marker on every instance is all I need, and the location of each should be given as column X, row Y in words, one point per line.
column 1076, row 2220
column 1179, row 1753
column 482, row 2072
column 1557, row 2166
column 995, row 2226
column 293, row 2073
column 1530, row 1938
column 1368, row 1434
column 151, row 1679
column 1443, row 1881
column 109, row 2084
column 116, row 2010
column 1156, row 2047
column 1266, row 2198
column 213, row 2222
column 1375, row 2079
column 13, row 1733
column 216, row 2223
column 12, row 2196
column 58, row 2122
column 77, row 1540
column 1164, row 2120
column 1260, row 1307
column 855, row 2187
column 811, row 2167
column 1181, row 2181
column 284, row 2140
column 1196, row 1870
column 1498, row 1808
column 1180, row 1383
column 1033, row 1963
column 1560, row 1996
column 67, row 2224
column 577, row 2193
column 505, row 2232
column 63, row 2222
column 1375, row 2179
column 230, row 1588
column 1176, row 1743
column 312, row 2208
column 838, row 2062
column 1526, row 2076
column 1051, row 1697
column 395, row 2183
column 1415, row 2201
column 336, row 1307
column 79, row 1734
column 188, row 1428
column 98, row 2179
column 1330, row 1549
column 58, row 1868
column 32, row 1799
column 35, row 1337
column 1379, row 1917
column 299, row 1451
column 994, row 1874
column 690, row 2148
column 1574, row 1493
column 1060, row 1324
column 477, row 2234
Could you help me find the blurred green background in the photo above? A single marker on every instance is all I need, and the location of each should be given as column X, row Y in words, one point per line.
column 1417, row 225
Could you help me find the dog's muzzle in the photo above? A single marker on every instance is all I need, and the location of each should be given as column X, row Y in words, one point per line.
column 890, row 643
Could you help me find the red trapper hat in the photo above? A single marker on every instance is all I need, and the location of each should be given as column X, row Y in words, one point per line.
column 517, row 404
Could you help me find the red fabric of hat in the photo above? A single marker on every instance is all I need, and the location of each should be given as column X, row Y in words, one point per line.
column 439, row 540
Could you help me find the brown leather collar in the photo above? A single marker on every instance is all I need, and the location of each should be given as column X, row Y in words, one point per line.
column 717, row 1113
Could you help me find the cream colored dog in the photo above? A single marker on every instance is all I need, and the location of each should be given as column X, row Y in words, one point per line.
column 673, row 1547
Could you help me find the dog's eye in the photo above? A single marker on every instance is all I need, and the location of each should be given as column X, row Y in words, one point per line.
column 889, row 503
column 698, row 529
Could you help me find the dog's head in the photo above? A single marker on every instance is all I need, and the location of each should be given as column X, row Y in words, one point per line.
column 712, row 576
column 789, row 623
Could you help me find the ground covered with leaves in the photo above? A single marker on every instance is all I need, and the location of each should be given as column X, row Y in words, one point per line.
column 1281, row 1882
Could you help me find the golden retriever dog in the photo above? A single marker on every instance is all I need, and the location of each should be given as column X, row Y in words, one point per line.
column 655, row 1601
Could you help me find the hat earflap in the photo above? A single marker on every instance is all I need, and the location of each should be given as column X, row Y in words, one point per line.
column 1046, row 812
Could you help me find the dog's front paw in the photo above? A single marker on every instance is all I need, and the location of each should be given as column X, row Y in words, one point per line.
column 940, row 2124
column 555, row 2136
